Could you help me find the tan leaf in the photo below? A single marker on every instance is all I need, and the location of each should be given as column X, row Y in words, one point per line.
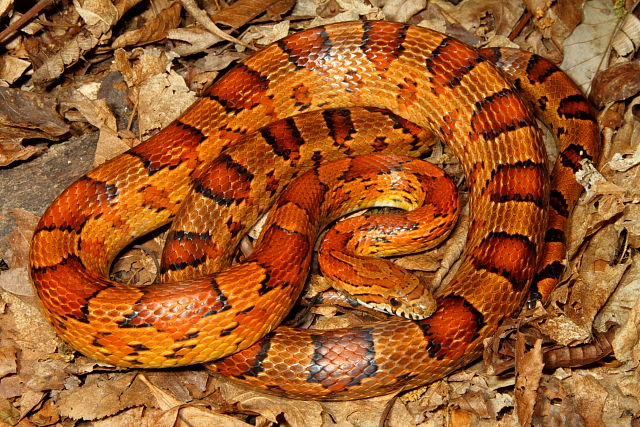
column 97, row 398
column 193, row 416
column 296, row 413
column 587, row 44
column 12, row 68
column 5, row 7
column 195, row 39
column 128, row 417
column 265, row 34
column 555, row 405
column 590, row 397
column 402, row 10
column 164, row 400
column 528, row 373
column 475, row 18
column 627, row 37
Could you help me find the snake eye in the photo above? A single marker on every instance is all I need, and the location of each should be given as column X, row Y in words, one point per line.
column 394, row 302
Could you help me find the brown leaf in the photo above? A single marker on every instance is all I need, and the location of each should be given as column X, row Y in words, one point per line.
column 475, row 403
column 559, row 20
column 8, row 413
column 243, row 11
column 20, row 239
column 47, row 415
column 153, row 30
column 528, row 373
column 471, row 20
column 589, row 396
column 97, row 398
column 555, row 406
column 616, row 83
column 273, row 408
column 100, row 16
column 26, row 115
column 8, row 350
column 279, row 8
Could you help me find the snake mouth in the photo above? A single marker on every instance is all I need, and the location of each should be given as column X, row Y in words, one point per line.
column 408, row 313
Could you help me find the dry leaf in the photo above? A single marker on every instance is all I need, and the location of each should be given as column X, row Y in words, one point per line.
column 97, row 398
column 98, row 113
column 162, row 98
column 8, row 358
column 5, row 7
column 128, row 417
column 242, row 11
column 26, row 115
column 616, row 83
column 12, row 68
column 153, row 30
column 100, row 16
column 556, row 20
column 265, row 34
column 192, row 416
column 555, row 405
column 625, row 41
column 402, row 10
column 589, row 398
column 474, row 403
column 367, row 412
column 481, row 17
column 195, row 40
column 279, row 8
column 8, row 413
column 295, row 412
column 586, row 45
column 528, row 374
column 16, row 281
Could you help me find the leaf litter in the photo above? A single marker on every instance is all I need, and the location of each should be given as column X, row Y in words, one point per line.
column 124, row 69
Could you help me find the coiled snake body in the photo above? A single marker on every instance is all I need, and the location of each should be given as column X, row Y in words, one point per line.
column 424, row 78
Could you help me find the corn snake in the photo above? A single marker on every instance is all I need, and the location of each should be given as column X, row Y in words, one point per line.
column 421, row 76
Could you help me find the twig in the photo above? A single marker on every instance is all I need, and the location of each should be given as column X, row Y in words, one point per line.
column 11, row 29
column 524, row 19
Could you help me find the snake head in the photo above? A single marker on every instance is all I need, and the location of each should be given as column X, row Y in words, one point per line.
column 408, row 298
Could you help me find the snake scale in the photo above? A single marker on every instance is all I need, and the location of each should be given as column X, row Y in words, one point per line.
column 239, row 144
